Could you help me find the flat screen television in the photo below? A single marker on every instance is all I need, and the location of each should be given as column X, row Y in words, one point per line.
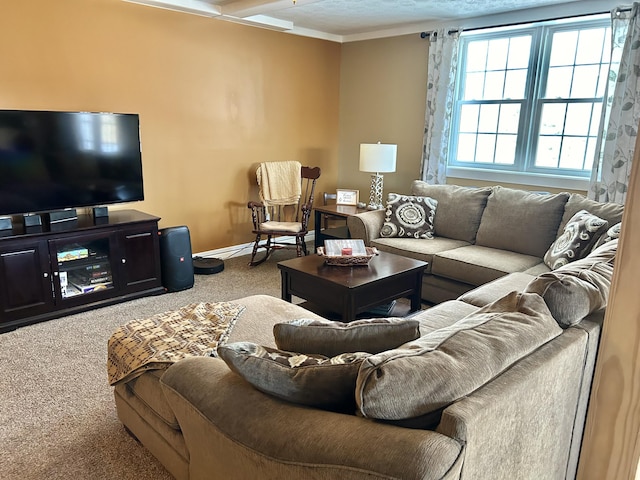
column 56, row 160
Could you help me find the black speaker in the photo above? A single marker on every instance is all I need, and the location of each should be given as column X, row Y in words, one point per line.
column 99, row 212
column 175, row 258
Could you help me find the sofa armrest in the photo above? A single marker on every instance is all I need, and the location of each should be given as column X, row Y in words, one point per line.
column 366, row 225
column 506, row 425
column 233, row 430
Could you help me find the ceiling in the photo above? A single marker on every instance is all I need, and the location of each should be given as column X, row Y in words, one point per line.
column 348, row 20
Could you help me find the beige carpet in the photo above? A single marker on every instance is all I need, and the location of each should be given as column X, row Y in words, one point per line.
column 57, row 415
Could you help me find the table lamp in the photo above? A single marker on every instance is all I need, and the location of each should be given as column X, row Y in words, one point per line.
column 377, row 158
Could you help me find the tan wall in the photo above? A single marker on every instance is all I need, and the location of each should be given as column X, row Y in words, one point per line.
column 214, row 99
column 382, row 98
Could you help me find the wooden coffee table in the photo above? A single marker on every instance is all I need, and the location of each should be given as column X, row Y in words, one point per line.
column 352, row 290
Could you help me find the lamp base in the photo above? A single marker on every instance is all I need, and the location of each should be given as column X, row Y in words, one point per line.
column 375, row 194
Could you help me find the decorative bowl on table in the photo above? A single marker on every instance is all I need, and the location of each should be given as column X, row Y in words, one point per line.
column 346, row 252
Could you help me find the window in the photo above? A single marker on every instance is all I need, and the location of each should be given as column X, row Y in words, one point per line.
column 529, row 99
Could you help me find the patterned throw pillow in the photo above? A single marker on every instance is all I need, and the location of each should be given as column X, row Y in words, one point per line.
column 314, row 380
column 326, row 337
column 409, row 216
column 579, row 235
column 612, row 234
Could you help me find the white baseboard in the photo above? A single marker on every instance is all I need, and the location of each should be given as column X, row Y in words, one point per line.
column 239, row 250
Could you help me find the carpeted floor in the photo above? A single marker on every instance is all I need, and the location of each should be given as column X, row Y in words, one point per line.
column 57, row 415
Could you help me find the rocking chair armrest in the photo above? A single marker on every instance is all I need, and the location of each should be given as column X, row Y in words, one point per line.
column 252, row 204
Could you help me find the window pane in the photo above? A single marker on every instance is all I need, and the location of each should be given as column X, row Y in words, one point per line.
column 506, row 149
column 497, row 57
column 552, row 122
column 515, row 84
column 573, row 149
column 469, row 118
column 590, row 155
column 486, row 148
column 519, row 52
column 494, row 85
column 559, row 82
column 590, row 44
column 466, row 147
column 563, row 49
column 578, row 119
column 585, row 81
column 548, row 152
column 473, row 86
column 489, row 118
column 509, row 118
column 477, row 56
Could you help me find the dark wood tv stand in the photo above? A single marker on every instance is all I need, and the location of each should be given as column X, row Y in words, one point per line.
column 83, row 264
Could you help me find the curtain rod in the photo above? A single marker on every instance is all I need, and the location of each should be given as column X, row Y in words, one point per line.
column 428, row 34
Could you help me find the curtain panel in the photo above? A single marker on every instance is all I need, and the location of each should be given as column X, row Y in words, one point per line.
column 441, row 78
column 621, row 112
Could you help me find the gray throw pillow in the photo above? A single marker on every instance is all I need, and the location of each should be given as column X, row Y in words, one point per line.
column 580, row 234
column 579, row 288
column 314, row 380
column 326, row 337
column 409, row 216
column 447, row 364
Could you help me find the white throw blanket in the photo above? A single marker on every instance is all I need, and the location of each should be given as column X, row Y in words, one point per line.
column 279, row 182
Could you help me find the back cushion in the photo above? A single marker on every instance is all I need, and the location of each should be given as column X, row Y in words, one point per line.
column 611, row 212
column 459, row 208
column 521, row 221
column 427, row 374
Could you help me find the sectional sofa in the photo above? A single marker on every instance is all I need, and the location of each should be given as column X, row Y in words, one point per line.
column 493, row 384
column 481, row 234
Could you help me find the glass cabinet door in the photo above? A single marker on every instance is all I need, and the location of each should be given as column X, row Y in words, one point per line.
column 83, row 267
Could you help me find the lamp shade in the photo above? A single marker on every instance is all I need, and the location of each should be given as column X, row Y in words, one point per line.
column 378, row 157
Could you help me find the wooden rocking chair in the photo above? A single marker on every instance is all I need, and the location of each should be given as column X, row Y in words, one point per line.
column 279, row 222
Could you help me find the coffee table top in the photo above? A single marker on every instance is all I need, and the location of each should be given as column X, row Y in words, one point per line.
column 383, row 265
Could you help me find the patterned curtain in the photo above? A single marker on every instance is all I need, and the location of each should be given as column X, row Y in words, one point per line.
column 442, row 65
column 614, row 152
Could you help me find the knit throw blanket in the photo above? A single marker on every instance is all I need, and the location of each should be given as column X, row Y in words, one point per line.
column 163, row 339
column 279, row 182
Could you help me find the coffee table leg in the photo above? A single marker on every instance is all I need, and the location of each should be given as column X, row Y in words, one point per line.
column 285, row 294
column 416, row 298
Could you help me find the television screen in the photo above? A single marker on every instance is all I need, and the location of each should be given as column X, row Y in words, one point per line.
column 56, row 160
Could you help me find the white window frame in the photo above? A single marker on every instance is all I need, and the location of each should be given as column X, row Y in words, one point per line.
column 521, row 172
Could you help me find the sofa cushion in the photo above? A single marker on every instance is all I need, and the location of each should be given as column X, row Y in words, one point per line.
column 417, row 249
column 442, row 315
column 326, row 337
column 578, row 237
column 459, row 208
column 521, row 221
column 478, row 265
column 611, row 212
column 314, row 380
column 577, row 289
column 408, row 216
column 492, row 291
column 430, row 373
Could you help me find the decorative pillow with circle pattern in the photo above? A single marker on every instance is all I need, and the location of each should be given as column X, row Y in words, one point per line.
column 612, row 234
column 580, row 234
column 409, row 216
column 307, row 379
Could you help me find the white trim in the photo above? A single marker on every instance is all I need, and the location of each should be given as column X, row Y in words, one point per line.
column 519, row 178
column 239, row 250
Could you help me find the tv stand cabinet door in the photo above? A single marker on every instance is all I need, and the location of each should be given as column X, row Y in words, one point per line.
column 25, row 280
column 140, row 257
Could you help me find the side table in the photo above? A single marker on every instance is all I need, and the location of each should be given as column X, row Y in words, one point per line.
column 337, row 211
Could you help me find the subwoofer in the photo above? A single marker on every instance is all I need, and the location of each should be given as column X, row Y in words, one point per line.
column 175, row 258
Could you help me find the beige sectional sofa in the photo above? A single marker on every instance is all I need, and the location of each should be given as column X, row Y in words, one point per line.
column 481, row 234
column 493, row 384
column 491, row 388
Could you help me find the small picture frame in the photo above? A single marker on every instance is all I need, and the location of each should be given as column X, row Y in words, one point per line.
column 347, row 197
